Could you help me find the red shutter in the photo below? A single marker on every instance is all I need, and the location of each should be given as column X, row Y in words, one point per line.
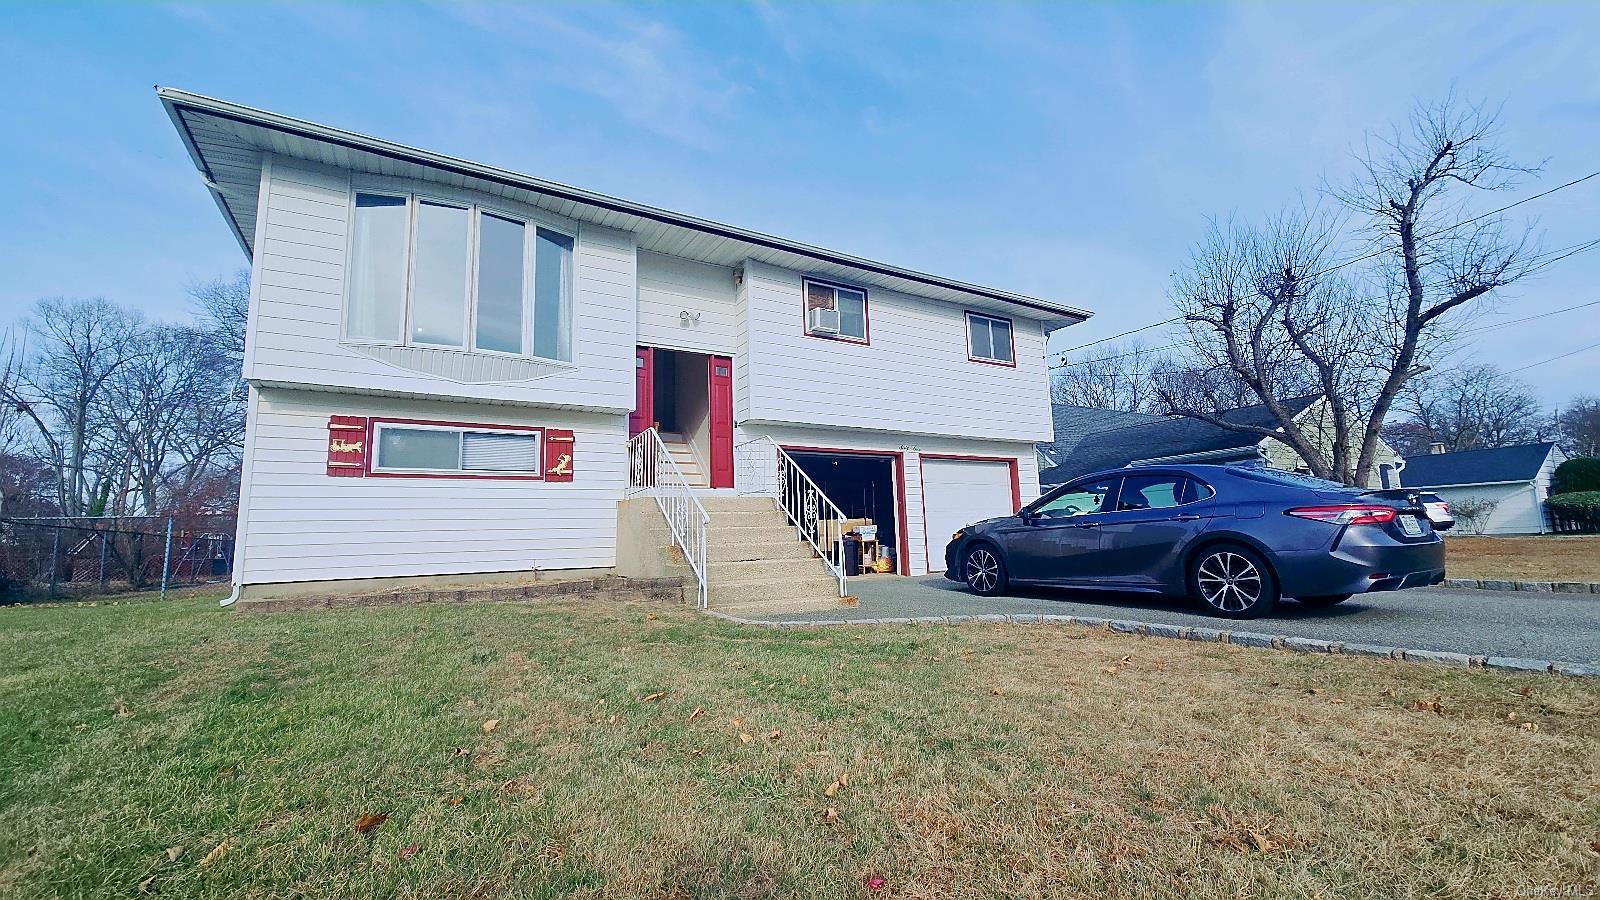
column 347, row 446
column 558, row 454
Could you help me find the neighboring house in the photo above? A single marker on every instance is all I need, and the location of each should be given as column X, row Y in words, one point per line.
column 448, row 362
column 1088, row 440
column 1513, row 482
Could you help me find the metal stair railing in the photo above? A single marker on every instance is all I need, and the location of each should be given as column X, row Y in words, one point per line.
column 652, row 470
column 765, row 468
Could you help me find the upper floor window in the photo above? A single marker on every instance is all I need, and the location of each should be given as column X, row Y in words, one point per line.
column 989, row 340
column 835, row 311
column 432, row 273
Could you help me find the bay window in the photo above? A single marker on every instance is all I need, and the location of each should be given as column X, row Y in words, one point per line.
column 434, row 273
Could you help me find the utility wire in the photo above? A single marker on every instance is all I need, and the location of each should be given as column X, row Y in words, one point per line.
column 1554, row 358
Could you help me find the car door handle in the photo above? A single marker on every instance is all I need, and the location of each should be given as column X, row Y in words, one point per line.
column 1087, row 525
column 1186, row 517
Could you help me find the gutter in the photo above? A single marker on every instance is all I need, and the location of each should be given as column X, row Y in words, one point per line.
column 177, row 101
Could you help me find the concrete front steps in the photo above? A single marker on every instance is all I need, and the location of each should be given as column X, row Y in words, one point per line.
column 758, row 564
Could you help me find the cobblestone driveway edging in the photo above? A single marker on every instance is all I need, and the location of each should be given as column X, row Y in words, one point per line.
column 1209, row 635
column 1533, row 587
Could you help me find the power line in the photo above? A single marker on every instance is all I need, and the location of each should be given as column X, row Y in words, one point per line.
column 1530, row 318
column 1553, row 358
column 1124, row 334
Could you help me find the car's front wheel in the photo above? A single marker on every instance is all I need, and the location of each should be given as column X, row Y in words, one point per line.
column 983, row 570
column 1233, row 581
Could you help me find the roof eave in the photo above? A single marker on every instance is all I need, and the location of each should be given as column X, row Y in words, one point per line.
column 175, row 99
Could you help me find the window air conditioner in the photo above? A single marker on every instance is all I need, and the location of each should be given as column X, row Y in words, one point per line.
column 822, row 321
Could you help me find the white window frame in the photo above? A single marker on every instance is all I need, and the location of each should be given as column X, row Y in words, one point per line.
column 378, row 468
column 475, row 210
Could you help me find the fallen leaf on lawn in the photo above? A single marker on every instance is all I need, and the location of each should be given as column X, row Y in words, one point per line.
column 651, row 698
column 744, row 737
column 1109, row 670
column 173, row 853
column 409, row 851
column 216, row 853
column 775, row 735
column 698, row 712
column 1127, row 659
column 1260, row 841
column 876, row 884
column 1433, row 706
column 830, row 815
column 844, row 779
column 491, row 725
column 144, row 886
column 1313, row 691
column 1386, row 692
column 370, row 821
column 995, row 692
column 649, row 617
column 802, row 679
column 122, row 709
column 462, row 751
column 613, row 718
column 831, row 789
column 1529, row 726
column 1336, row 700
column 738, row 722
column 1511, row 717
column 1527, row 690
column 851, row 600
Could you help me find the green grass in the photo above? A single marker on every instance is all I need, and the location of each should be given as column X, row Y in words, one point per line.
column 982, row 761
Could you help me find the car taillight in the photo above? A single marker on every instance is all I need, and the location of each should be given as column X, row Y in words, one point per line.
column 1346, row 514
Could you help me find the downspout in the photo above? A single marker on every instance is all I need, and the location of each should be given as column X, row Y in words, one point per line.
column 232, row 597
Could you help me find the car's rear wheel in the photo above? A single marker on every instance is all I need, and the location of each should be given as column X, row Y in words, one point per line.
column 1233, row 581
column 1326, row 600
column 983, row 570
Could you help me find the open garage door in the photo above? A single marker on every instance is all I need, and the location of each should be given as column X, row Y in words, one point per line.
column 958, row 492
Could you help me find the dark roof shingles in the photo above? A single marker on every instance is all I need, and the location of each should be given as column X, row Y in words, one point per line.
column 1519, row 462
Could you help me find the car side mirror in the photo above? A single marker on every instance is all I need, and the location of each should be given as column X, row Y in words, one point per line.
column 1028, row 516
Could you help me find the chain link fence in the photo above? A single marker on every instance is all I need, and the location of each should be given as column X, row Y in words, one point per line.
column 59, row 557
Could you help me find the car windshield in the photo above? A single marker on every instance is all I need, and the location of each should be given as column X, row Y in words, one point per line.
column 1292, row 479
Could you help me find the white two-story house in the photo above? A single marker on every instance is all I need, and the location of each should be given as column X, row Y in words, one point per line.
column 456, row 370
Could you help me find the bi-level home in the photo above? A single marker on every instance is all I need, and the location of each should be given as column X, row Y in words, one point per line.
column 457, row 370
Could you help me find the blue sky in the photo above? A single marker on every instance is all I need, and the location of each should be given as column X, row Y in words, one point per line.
column 1070, row 151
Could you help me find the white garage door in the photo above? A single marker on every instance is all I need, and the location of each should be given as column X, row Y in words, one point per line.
column 956, row 493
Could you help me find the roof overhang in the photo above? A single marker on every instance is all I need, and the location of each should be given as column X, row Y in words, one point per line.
column 227, row 142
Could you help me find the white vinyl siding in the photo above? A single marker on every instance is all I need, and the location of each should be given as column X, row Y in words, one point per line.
column 670, row 288
column 915, row 376
column 301, row 525
column 295, row 338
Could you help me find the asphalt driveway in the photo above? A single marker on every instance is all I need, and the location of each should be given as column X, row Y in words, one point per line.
column 1558, row 627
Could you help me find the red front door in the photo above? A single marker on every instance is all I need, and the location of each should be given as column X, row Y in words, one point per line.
column 720, row 396
column 644, row 394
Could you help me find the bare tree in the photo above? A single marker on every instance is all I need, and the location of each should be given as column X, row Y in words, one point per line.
column 1118, row 376
column 76, row 345
column 1269, row 304
column 1466, row 408
column 1580, row 426
column 223, row 305
column 174, row 413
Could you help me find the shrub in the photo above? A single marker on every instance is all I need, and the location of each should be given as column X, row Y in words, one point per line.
column 1474, row 512
column 1580, row 509
column 1581, row 473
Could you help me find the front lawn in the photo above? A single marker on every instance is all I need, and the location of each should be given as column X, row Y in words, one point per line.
column 1532, row 558
column 622, row 750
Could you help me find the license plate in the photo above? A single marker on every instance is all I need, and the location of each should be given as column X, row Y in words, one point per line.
column 1411, row 526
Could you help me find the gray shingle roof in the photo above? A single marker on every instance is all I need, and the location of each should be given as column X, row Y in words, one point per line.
column 1157, row 437
column 1520, row 462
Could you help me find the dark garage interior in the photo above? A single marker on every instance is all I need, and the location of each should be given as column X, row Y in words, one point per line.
column 862, row 486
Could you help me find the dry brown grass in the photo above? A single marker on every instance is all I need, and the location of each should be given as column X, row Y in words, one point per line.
column 1010, row 761
column 1543, row 558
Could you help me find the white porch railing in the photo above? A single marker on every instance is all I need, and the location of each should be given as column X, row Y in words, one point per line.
column 651, row 470
column 762, row 467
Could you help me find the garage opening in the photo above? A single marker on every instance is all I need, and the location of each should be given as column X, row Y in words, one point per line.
column 866, row 490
